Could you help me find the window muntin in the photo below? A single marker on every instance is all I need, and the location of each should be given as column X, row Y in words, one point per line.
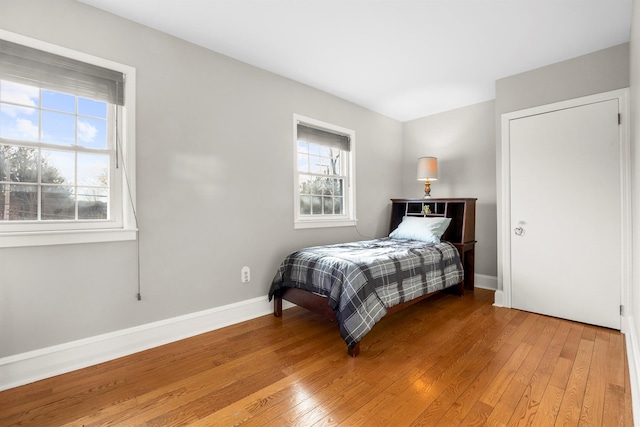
column 324, row 162
column 56, row 154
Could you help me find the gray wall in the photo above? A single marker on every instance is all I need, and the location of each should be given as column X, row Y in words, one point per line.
column 463, row 140
column 214, row 185
column 598, row 72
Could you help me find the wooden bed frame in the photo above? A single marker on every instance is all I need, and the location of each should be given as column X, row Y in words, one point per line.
column 462, row 214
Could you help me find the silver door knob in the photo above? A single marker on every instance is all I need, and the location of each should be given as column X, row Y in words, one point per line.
column 519, row 231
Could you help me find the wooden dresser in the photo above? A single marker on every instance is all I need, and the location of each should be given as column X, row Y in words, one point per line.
column 461, row 211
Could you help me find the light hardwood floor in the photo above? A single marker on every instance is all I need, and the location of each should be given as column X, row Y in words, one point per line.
column 446, row 361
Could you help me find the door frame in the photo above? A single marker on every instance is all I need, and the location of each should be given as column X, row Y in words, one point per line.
column 503, row 295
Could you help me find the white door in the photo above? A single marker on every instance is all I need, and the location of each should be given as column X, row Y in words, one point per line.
column 566, row 213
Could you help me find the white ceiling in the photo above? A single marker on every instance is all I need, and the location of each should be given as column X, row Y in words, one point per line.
column 402, row 58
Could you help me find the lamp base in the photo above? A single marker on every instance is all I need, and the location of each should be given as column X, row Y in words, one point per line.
column 427, row 189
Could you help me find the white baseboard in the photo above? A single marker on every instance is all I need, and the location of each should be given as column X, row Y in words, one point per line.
column 486, row 282
column 25, row 368
column 633, row 357
column 498, row 299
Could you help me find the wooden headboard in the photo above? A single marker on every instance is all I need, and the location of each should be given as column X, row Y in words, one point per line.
column 461, row 231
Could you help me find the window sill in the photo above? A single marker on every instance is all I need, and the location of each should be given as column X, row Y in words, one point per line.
column 324, row 223
column 15, row 240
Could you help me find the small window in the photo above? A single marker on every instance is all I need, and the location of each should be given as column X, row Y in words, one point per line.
column 324, row 170
column 66, row 164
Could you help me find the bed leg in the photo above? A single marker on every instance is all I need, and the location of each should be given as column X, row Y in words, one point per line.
column 277, row 306
column 460, row 289
column 353, row 352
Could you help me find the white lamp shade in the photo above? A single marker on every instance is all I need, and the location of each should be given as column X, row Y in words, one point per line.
column 427, row 169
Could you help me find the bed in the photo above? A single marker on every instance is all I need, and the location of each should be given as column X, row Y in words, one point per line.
column 356, row 284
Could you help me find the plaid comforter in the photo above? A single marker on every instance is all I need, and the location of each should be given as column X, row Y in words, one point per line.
column 363, row 279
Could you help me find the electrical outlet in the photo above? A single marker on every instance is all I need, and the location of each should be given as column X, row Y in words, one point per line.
column 245, row 274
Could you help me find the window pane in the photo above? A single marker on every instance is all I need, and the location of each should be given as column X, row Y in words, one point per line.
column 315, row 165
column 303, row 162
column 337, row 205
column 18, row 164
column 314, row 149
column 327, row 205
column 18, row 202
column 303, row 147
column 305, row 205
column 58, row 101
column 316, row 205
column 316, row 185
column 325, row 151
column 58, row 167
column 93, row 170
column 58, row 203
column 338, row 187
column 58, row 128
column 335, row 162
column 19, row 94
column 327, row 186
column 305, row 184
column 19, row 123
column 92, row 203
column 89, row 107
column 92, row 133
column 325, row 166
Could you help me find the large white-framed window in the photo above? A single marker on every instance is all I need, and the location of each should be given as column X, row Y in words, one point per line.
column 324, row 174
column 67, row 154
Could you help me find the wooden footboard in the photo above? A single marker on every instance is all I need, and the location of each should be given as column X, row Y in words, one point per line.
column 318, row 304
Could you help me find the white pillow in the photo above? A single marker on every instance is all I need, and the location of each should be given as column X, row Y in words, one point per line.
column 426, row 229
column 441, row 221
column 444, row 224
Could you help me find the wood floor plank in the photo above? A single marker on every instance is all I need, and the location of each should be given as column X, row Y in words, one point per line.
column 503, row 410
column 592, row 403
column 468, row 399
column 571, row 406
column 613, row 413
column 497, row 387
column 478, row 415
column 616, row 370
column 627, row 408
column 547, row 413
column 561, row 373
column 573, row 341
column 463, row 380
column 446, row 361
column 535, row 356
column 529, row 403
column 426, row 388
